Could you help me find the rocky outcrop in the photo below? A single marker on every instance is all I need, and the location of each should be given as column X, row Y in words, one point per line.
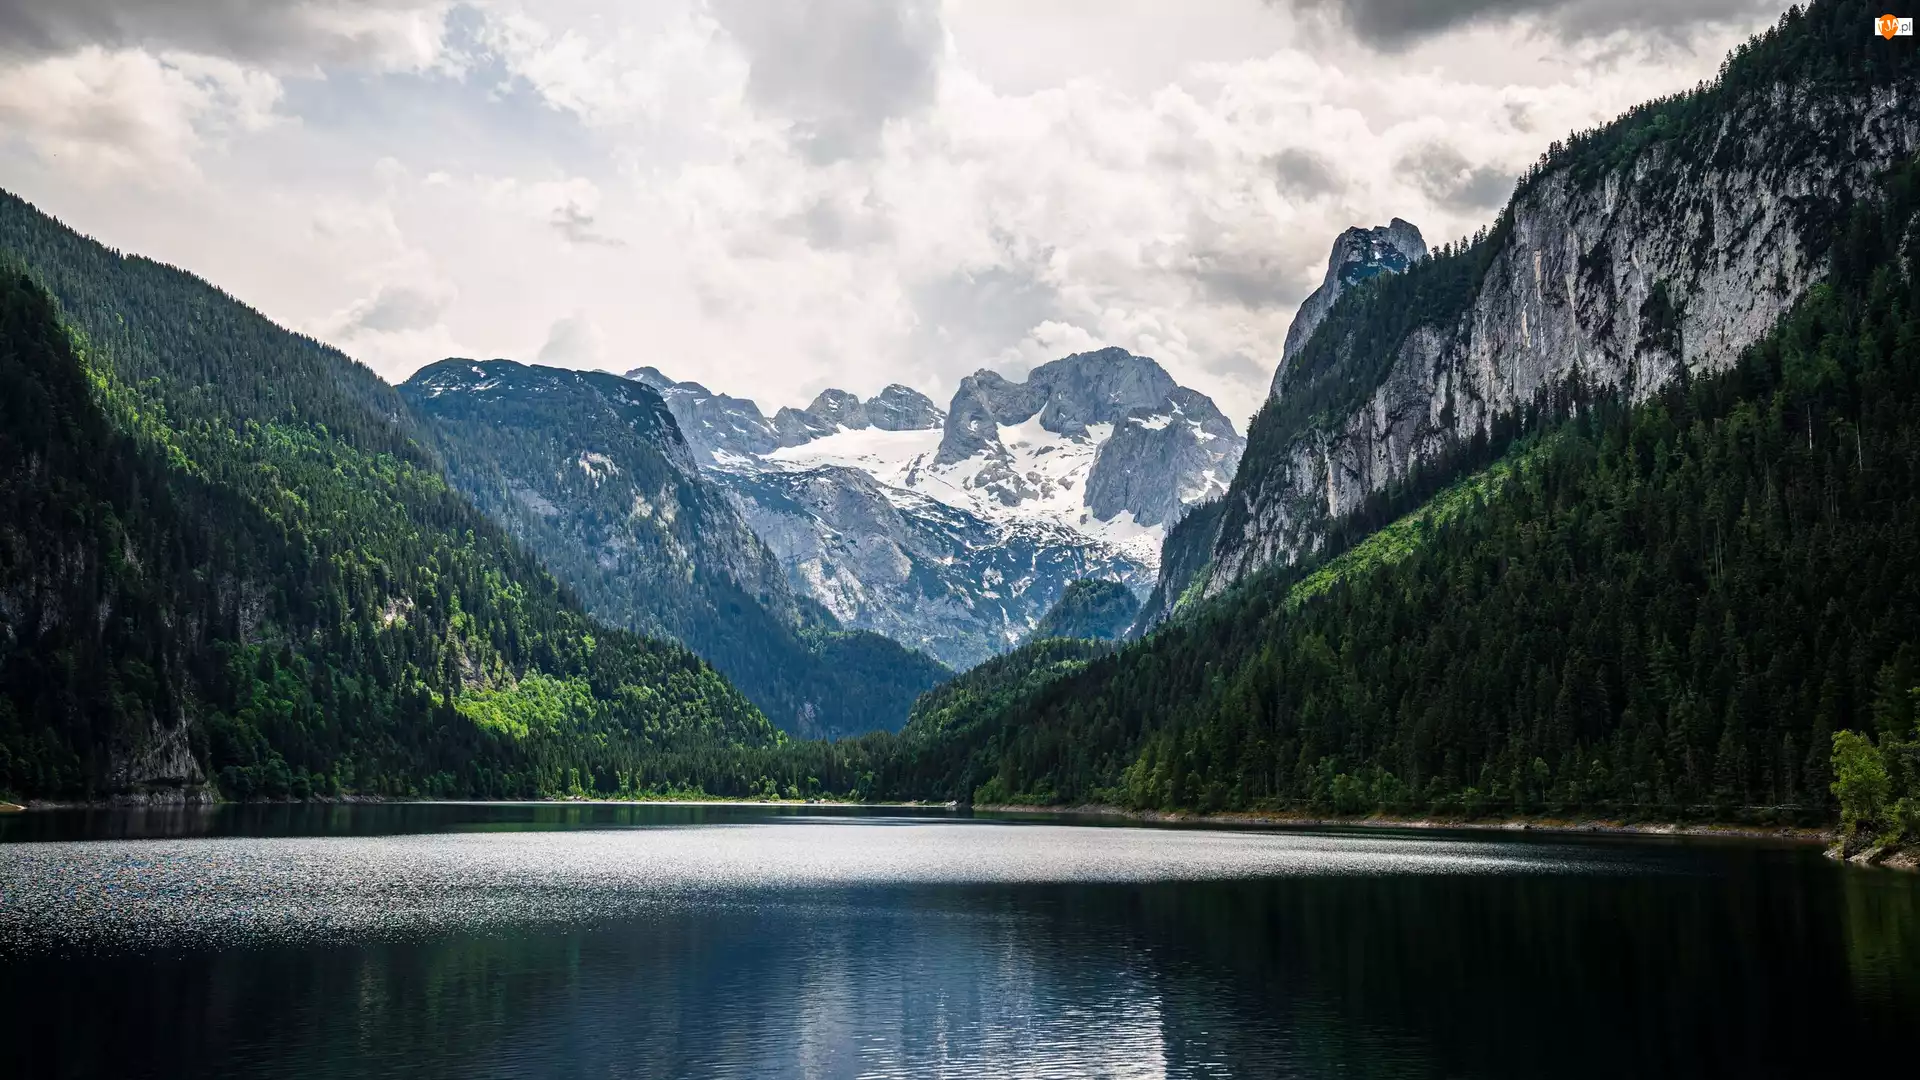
column 1161, row 460
column 1612, row 278
column 1164, row 446
column 1358, row 255
column 897, row 408
column 797, row 427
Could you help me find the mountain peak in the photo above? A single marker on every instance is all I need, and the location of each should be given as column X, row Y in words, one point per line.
column 902, row 408
column 1358, row 253
column 713, row 424
column 1098, row 387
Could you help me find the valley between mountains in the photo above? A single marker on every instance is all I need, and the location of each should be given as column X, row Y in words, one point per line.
column 1610, row 507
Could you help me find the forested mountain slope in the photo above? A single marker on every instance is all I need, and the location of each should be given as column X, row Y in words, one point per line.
column 1654, row 249
column 591, row 472
column 1659, row 598
column 1091, row 609
column 225, row 556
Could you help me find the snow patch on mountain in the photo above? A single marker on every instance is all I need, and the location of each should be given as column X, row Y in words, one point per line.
column 1051, row 468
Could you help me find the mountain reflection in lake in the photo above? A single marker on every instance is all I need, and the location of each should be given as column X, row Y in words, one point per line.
column 671, row 942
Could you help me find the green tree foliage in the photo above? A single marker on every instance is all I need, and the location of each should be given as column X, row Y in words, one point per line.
column 956, row 731
column 590, row 471
column 1876, row 778
column 1664, row 608
column 225, row 555
column 1099, row 610
column 1185, row 556
column 1860, row 783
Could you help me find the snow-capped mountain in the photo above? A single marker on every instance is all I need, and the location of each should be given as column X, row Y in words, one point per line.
column 956, row 531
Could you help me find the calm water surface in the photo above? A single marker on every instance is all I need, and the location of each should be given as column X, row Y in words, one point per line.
column 630, row 941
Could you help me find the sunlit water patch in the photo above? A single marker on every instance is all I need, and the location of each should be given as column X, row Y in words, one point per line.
column 291, row 889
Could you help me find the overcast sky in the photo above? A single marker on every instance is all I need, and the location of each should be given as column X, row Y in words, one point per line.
column 777, row 196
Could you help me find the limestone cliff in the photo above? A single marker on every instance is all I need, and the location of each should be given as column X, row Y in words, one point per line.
column 1661, row 245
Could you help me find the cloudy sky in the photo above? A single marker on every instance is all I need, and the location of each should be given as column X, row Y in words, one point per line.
column 777, row 196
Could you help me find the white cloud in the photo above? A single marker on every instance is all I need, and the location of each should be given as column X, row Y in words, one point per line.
column 778, row 198
column 128, row 115
column 574, row 341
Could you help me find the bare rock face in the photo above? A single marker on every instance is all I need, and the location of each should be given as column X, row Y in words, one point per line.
column 1160, row 460
column 798, row 427
column 1068, row 394
column 1623, row 277
column 1358, row 255
column 933, row 577
column 712, row 423
column 897, row 408
column 902, row 408
column 839, row 409
column 984, row 401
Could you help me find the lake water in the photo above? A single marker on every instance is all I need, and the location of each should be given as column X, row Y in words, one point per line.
column 676, row 941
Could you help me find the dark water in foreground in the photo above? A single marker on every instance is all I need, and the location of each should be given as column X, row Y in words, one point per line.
column 749, row 942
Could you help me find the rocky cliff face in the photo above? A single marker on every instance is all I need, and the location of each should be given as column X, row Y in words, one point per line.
column 902, row 408
column 931, row 576
column 1162, row 459
column 1358, row 255
column 1616, row 275
column 720, row 428
column 1067, row 394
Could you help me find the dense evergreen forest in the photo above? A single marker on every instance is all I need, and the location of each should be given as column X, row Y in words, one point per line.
column 1089, row 608
column 1665, row 609
column 590, row 471
column 224, row 556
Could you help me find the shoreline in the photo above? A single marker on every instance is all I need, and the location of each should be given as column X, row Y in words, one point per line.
column 1572, row 826
column 125, row 802
column 1894, row 858
column 1905, row 859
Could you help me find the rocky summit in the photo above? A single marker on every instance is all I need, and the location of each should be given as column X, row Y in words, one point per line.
column 1358, row 254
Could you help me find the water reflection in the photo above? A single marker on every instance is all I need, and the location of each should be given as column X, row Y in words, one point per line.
column 1511, row 960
